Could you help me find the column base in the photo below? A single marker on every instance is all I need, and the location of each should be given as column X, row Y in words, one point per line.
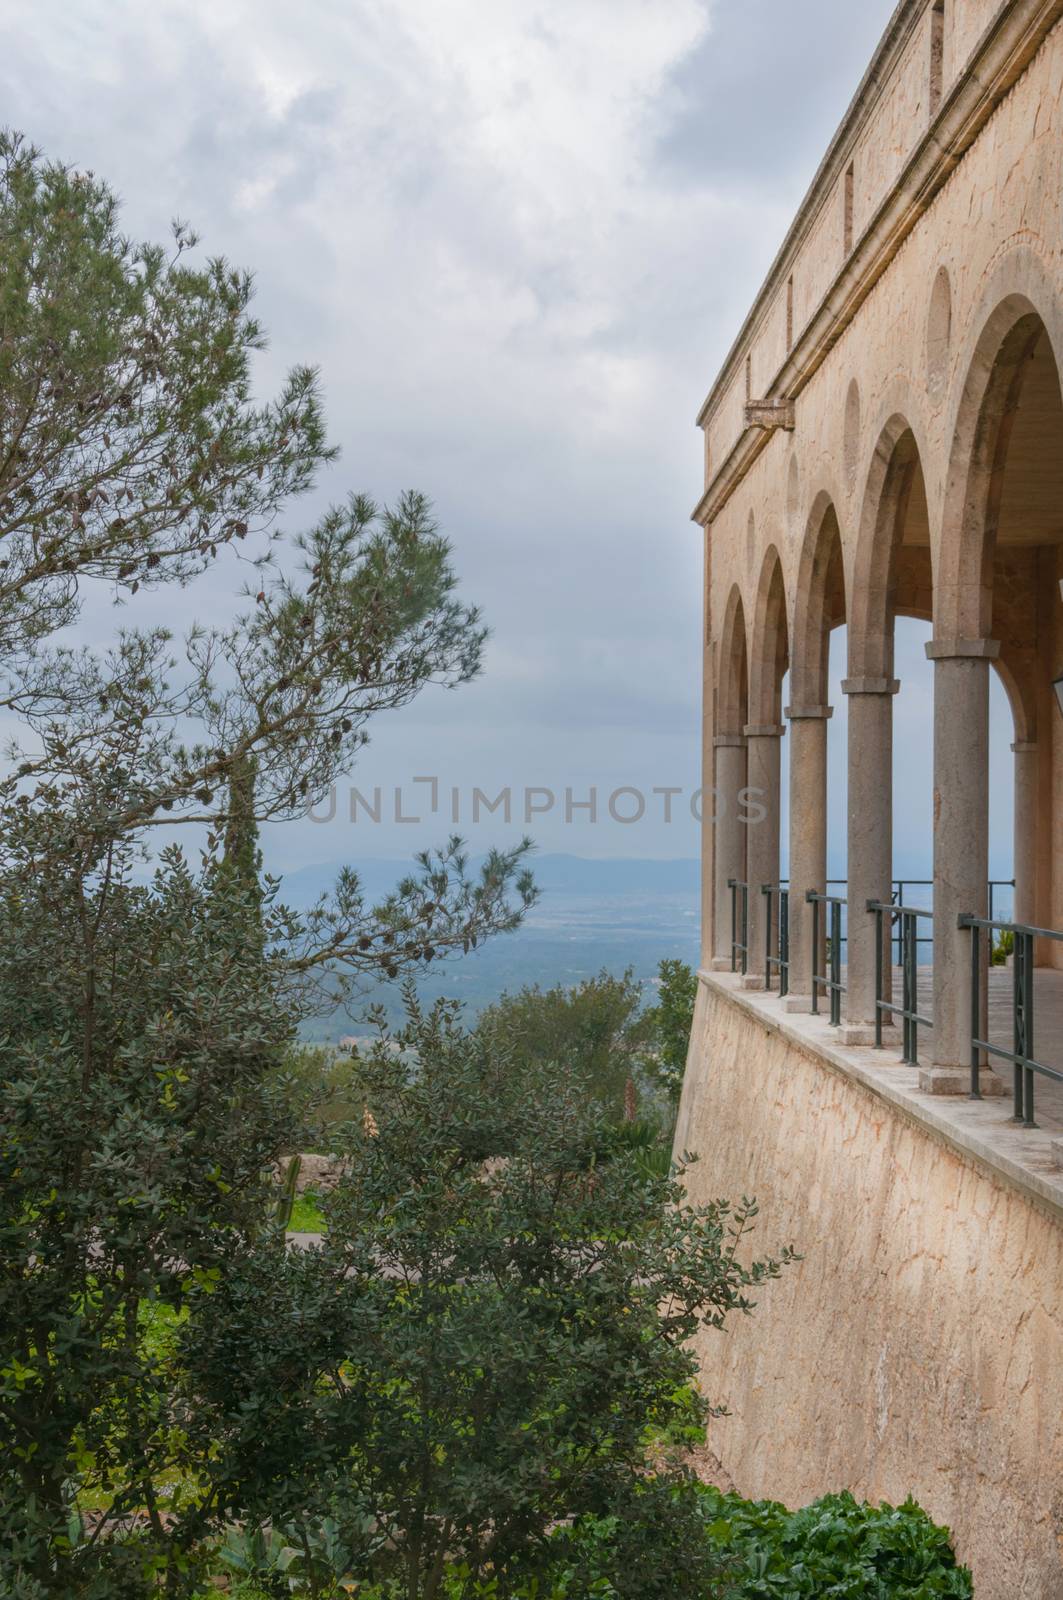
column 798, row 1003
column 957, row 1080
column 751, row 981
column 864, row 1033
column 1056, row 1149
column 719, row 964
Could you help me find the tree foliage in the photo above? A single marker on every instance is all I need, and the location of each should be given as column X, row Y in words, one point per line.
column 666, row 1026
column 499, row 1311
column 130, row 447
column 590, row 1028
column 146, row 1004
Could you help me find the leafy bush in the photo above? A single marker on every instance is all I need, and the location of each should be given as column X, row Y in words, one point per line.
column 591, row 1028
column 666, row 1026
column 666, row 1537
column 501, row 1307
column 836, row 1546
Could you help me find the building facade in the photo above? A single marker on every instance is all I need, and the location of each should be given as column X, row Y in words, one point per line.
column 886, row 439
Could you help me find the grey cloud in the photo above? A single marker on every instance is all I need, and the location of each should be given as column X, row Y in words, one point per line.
column 517, row 241
column 761, row 96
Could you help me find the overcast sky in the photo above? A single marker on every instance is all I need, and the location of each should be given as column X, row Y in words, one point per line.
column 518, row 237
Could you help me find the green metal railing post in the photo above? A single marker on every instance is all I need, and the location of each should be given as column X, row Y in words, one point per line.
column 1021, row 1055
column 871, row 906
column 976, row 1010
column 732, row 884
column 907, row 918
column 829, row 981
column 1024, row 979
column 781, row 960
column 739, row 947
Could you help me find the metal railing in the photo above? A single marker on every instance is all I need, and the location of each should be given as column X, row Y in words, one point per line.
column 908, row 942
column 780, row 962
column 901, row 884
column 828, row 982
column 739, row 947
column 1024, row 1063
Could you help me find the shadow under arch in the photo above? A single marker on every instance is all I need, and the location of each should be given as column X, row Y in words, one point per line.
column 1000, row 564
column 733, row 670
column 819, row 604
column 770, row 644
column 1013, row 372
column 729, row 771
column 892, row 567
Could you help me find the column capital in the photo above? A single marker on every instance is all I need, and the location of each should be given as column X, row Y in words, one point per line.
column 1025, row 747
column 953, row 649
column 807, row 713
column 772, row 730
column 870, row 685
column 729, row 741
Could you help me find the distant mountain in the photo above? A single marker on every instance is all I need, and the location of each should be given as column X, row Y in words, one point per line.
column 554, row 874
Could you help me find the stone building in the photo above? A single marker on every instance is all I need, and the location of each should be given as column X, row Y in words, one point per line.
column 886, row 439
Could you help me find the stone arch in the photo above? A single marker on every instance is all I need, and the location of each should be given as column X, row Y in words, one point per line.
column 892, row 568
column 770, row 652
column 1015, row 673
column 819, row 604
column 1018, row 310
column 733, row 678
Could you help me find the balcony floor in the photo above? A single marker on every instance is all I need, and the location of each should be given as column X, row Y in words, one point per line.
column 1048, row 1031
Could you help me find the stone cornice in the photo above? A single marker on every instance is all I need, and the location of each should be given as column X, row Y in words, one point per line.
column 1002, row 55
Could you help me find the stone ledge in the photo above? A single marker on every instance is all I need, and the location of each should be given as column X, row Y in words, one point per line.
column 982, row 1131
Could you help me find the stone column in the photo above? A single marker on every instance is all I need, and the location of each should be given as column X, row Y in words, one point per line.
column 869, row 842
column 763, row 765
column 961, row 851
column 808, row 842
column 730, row 834
column 1024, row 859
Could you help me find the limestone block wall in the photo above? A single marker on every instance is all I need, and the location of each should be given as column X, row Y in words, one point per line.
column 887, row 139
column 918, row 1348
column 965, row 24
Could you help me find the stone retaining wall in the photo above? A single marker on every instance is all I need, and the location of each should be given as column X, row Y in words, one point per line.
column 918, row 1348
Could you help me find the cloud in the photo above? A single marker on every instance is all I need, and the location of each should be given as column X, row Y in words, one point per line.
column 517, row 238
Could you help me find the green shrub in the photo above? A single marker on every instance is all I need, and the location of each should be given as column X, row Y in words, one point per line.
column 500, row 1310
column 836, row 1546
column 667, row 1537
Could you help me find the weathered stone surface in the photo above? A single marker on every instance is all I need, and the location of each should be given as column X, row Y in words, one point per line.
column 918, row 1348
column 913, row 320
